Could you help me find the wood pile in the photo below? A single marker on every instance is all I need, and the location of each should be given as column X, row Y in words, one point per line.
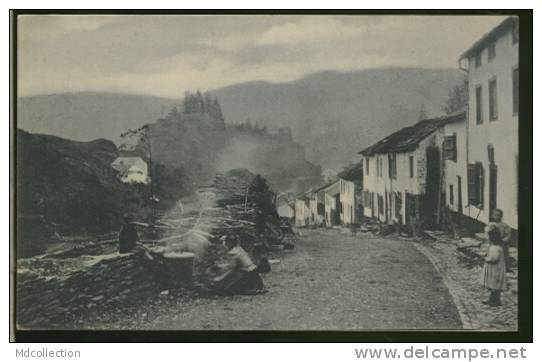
column 54, row 288
column 48, row 299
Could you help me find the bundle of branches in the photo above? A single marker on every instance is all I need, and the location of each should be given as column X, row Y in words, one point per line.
column 249, row 213
column 237, row 204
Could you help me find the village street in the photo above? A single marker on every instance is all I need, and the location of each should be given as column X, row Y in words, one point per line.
column 331, row 280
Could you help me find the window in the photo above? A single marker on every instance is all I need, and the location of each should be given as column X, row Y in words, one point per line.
column 451, row 194
column 368, row 199
column 411, row 166
column 398, row 204
column 392, row 166
column 475, row 176
column 367, row 166
column 380, row 205
column 491, row 154
column 491, row 51
column 321, row 208
column 449, row 148
column 478, row 60
column 493, row 111
column 515, row 90
column 479, row 112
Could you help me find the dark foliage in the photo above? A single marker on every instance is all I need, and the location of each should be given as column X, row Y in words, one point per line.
column 65, row 188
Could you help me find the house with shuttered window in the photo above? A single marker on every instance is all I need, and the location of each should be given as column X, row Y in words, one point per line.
column 492, row 128
column 317, row 206
column 454, row 156
column 350, row 185
column 404, row 174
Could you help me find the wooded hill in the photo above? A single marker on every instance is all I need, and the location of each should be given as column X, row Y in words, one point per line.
column 197, row 140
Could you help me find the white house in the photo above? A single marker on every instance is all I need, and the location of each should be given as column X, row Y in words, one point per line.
column 131, row 169
column 403, row 174
column 286, row 208
column 317, row 207
column 492, row 128
column 332, row 203
column 351, row 183
column 455, row 166
column 302, row 211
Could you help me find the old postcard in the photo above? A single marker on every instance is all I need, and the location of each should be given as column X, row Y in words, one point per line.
column 272, row 172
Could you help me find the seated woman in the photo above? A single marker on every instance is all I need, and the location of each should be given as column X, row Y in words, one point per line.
column 243, row 277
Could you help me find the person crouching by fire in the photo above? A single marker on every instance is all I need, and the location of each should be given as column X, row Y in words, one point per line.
column 243, row 276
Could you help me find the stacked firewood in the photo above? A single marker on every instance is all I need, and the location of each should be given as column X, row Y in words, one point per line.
column 59, row 286
column 51, row 299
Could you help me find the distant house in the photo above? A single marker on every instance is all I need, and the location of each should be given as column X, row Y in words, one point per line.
column 492, row 142
column 131, row 169
column 403, row 173
column 317, row 207
column 302, row 210
column 333, row 203
column 351, row 184
column 286, row 208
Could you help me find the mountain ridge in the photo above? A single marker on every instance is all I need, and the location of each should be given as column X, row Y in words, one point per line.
column 332, row 114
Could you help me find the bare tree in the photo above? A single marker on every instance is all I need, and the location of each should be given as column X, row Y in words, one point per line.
column 143, row 142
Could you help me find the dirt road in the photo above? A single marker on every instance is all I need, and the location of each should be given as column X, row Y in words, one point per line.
column 330, row 281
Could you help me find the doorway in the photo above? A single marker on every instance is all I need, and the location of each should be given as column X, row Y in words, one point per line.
column 432, row 186
column 459, row 196
column 338, row 210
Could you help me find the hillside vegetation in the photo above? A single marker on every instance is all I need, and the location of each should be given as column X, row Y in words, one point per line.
column 196, row 139
column 68, row 190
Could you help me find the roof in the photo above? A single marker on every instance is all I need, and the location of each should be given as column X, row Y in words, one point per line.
column 493, row 34
column 324, row 186
column 303, row 197
column 285, row 203
column 333, row 187
column 407, row 139
column 122, row 164
column 284, row 200
column 352, row 173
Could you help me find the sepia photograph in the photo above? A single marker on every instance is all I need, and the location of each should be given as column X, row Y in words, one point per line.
column 302, row 172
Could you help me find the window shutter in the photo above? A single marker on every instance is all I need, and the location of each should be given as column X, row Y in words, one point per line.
column 491, row 154
column 472, row 183
column 390, row 169
column 481, row 183
column 449, row 148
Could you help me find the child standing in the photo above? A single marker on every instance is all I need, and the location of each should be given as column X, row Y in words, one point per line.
column 494, row 268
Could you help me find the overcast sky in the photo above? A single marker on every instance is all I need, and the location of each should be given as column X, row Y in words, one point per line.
column 166, row 55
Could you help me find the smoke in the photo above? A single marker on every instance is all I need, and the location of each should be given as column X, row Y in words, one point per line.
column 242, row 152
column 280, row 161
